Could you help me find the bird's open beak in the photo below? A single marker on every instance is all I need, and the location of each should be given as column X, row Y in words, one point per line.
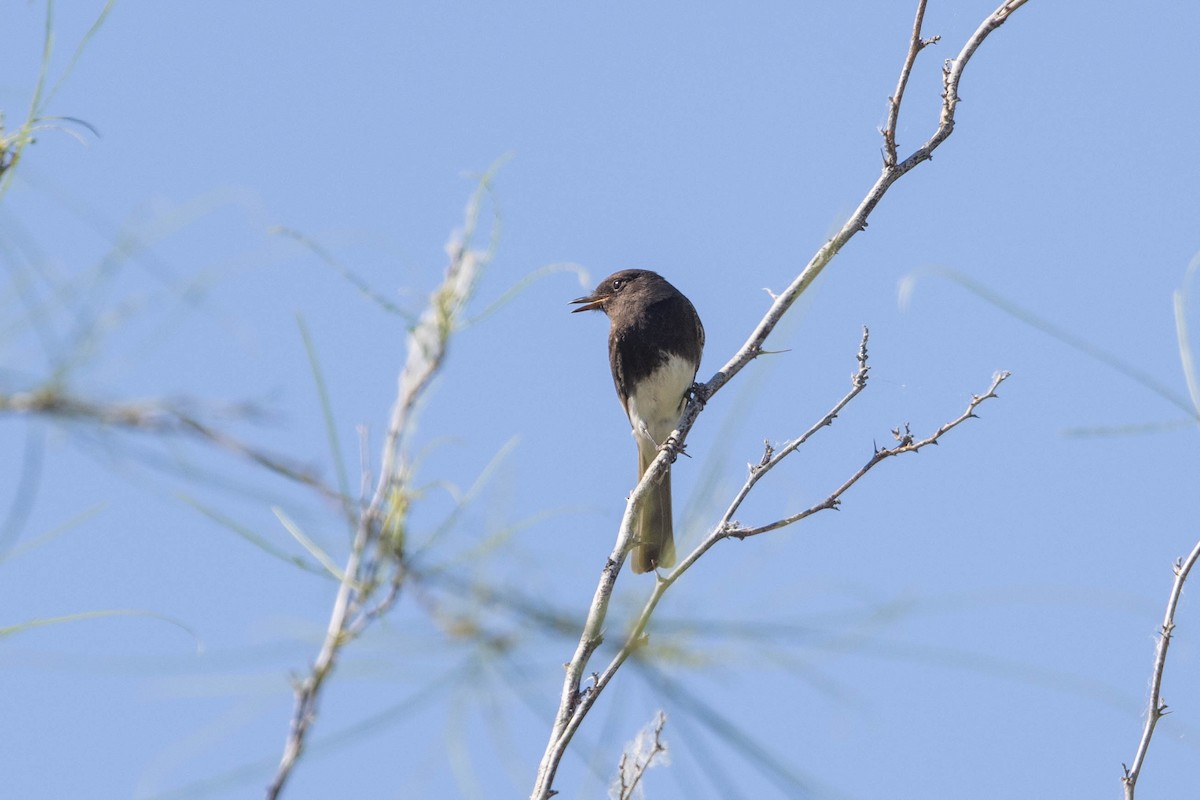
column 590, row 303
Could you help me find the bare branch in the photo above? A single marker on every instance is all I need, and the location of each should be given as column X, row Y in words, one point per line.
column 383, row 519
column 1157, row 708
column 574, row 702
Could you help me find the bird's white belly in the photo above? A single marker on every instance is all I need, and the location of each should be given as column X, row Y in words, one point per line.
column 657, row 401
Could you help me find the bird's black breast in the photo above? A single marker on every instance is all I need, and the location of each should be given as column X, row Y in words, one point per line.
column 645, row 337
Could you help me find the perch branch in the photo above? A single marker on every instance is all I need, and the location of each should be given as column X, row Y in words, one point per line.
column 572, row 699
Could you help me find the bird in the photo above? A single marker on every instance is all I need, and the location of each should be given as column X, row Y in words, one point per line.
column 655, row 341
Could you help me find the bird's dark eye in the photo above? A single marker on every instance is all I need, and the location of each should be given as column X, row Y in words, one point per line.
column 617, row 284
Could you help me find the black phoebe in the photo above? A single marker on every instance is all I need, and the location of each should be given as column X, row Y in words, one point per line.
column 654, row 345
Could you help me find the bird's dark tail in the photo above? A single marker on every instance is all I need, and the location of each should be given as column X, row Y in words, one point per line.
column 655, row 542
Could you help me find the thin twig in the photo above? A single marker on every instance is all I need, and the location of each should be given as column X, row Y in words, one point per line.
column 907, row 444
column 643, row 754
column 573, row 699
column 771, row 457
column 1157, row 708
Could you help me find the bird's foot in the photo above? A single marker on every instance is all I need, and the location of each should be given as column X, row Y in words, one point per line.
column 675, row 447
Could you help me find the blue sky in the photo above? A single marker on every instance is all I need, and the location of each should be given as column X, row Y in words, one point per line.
column 977, row 620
